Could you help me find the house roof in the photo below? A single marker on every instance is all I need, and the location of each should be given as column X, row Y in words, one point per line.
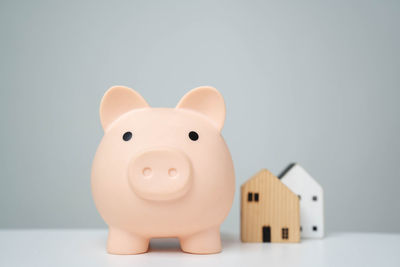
column 286, row 170
column 266, row 174
column 294, row 172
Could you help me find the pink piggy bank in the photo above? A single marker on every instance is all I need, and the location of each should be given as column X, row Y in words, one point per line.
column 163, row 172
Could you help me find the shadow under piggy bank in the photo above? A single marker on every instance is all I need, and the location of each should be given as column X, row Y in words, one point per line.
column 172, row 244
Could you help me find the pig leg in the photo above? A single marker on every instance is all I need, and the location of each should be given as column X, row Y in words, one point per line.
column 122, row 242
column 204, row 242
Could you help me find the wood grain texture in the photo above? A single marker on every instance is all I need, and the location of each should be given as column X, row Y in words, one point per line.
column 277, row 207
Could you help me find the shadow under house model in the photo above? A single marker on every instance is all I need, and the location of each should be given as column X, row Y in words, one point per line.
column 311, row 197
column 270, row 211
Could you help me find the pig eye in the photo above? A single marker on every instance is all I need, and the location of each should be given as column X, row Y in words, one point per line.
column 127, row 136
column 193, row 136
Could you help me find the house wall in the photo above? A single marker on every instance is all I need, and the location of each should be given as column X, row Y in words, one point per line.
column 312, row 215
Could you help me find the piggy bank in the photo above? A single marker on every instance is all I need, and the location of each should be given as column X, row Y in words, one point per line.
column 163, row 172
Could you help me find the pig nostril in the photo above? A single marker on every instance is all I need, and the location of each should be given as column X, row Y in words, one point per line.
column 147, row 172
column 172, row 172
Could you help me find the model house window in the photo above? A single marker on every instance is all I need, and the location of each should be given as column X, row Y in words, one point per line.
column 285, row 233
column 314, row 228
column 250, row 196
column 314, row 198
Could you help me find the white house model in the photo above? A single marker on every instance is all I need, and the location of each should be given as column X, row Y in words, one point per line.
column 311, row 197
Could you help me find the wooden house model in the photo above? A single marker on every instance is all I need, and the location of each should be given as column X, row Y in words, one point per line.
column 311, row 197
column 270, row 211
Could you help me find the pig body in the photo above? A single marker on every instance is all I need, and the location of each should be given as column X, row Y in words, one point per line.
column 163, row 172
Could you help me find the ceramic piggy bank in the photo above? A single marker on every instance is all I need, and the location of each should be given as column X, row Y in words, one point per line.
column 163, row 172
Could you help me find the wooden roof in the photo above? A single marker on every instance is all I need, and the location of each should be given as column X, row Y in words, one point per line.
column 267, row 175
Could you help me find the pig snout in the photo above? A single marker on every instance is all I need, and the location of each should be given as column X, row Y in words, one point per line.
column 160, row 174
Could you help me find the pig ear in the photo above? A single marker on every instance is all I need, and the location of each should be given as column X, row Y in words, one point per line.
column 117, row 101
column 207, row 101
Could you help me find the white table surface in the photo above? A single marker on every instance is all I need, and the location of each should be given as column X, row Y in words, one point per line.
column 87, row 248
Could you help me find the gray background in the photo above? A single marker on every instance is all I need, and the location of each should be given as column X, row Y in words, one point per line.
column 315, row 82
